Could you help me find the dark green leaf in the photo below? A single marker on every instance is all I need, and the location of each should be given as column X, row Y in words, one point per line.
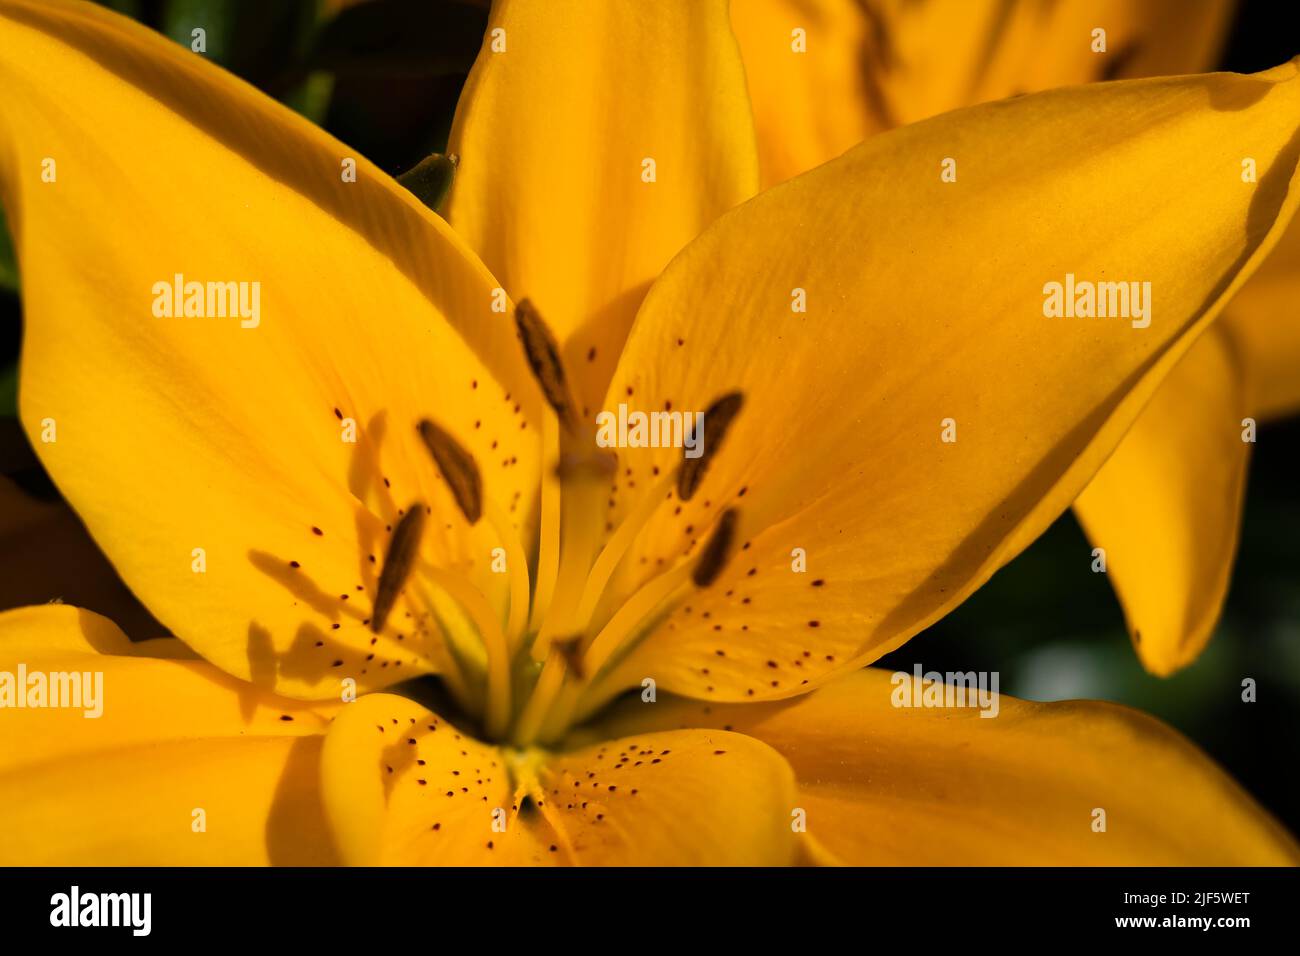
column 430, row 179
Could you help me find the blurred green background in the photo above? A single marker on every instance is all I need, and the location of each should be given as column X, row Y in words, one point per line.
column 384, row 76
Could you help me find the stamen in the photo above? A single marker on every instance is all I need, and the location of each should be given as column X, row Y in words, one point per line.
column 462, row 476
column 581, row 523
column 398, row 561
column 458, row 469
column 441, row 647
column 626, row 622
column 614, row 640
column 539, row 701
column 617, row 546
column 469, row 598
column 543, row 356
column 625, row 628
column 717, row 551
column 517, row 564
column 548, row 546
column 717, row 419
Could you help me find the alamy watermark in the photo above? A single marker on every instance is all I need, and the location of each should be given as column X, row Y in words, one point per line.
column 208, row 300
column 1100, row 300
column 82, row 690
column 637, row 429
column 978, row 689
column 74, row 908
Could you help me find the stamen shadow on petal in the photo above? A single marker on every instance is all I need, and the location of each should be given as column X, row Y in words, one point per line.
column 262, row 667
column 364, row 473
column 302, row 587
column 297, row 833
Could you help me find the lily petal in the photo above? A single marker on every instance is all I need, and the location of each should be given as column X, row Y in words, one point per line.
column 926, row 320
column 1171, row 543
column 866, row 67
column 875, row 66
column 1042, row 46
column 1264, row 319
column 563, row 110
column 403, row 786
column 213, row 459
column 174, row 737
column 1166, row 506
column 807, row 73
column 888, row 785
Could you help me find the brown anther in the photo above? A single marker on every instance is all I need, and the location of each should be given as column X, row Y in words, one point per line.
column 398, row 561
column 716, row 552
column 717, row 419
column 458, row 469
column 543, row 355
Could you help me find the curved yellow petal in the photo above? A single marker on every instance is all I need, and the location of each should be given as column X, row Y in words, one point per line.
column 860, row 68
column 569, row 111
column 1041, row 46
column 808, row 77
column 244, row 474
column 925, row 419
column 887, row 785
column 906, row 61
column 182, row 765
column 1264, row 320
column 1166, row 507
column 403, row 786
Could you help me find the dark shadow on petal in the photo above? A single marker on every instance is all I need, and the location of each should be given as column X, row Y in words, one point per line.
column 262, row 666
column 298, row 583
column 1239, row 95
column 296, row 830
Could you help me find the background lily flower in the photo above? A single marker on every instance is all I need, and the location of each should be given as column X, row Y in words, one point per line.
column 378, row 321
column 1166, row 507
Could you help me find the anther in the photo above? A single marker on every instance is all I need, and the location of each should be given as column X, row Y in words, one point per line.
column 543, row 355
column 714, row 557
column 458, row 469
column 398, row 562
column 717, row 419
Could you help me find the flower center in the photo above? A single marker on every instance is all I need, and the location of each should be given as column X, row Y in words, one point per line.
column 547, row 662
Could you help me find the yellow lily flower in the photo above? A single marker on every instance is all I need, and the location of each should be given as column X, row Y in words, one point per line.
column 387, row 468
column 1166, row 507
